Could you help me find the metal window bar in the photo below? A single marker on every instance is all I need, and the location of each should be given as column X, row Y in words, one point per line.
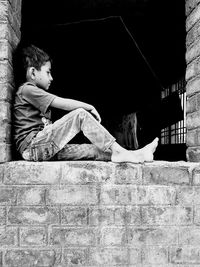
column 176, row 133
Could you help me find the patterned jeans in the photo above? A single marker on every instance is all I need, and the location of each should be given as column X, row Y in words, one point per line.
column 52, row 142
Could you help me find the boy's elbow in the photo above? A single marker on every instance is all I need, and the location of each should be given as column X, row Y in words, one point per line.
column 58, row 102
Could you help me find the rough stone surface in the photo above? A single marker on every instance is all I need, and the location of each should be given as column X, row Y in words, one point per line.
column 192, row 78
column 10, row 21
column 92, row 214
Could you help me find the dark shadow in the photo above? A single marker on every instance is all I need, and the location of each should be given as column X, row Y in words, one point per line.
column 95, row 58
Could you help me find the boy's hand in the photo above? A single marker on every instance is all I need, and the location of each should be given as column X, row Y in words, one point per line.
column 96, row 114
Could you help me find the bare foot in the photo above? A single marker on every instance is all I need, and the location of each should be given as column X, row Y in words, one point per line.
column 144, row 154
column 127, row 156
column 148, row 150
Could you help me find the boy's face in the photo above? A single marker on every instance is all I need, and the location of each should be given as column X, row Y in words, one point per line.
column 43, row 76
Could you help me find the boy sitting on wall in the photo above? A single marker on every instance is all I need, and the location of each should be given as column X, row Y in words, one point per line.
column 38, row 139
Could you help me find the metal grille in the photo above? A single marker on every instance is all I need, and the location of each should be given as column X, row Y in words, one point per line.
column 175, row 133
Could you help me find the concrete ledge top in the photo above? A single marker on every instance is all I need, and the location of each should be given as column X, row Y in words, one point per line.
column 95, row 164
column 96, row 172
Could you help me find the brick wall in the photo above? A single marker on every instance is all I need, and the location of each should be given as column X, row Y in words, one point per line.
column 10, row 18
column 193, row 79
column 99, row 214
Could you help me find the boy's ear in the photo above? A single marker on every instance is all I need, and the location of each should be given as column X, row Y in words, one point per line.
column 31, row 73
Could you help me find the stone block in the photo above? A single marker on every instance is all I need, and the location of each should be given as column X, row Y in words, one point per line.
column 8, row 195
column 15, row 4
column 193, row 154
column 155, row 255
column 118, row 194
column 186, row 195
column 3, row 31
column 73, row 236
column 33, row 236
column 4, row 9
column 191, row 104
column 73, row 195
column 1, row 173
column 101, row 216
column 192, row 86
column 113, row 236
column 169, row 216
column 128, row 174
column 2, row 215
column 193, row 69
column 14, row 18
column 197, row 215
column 190, row 71
column 86, row 172
column 6, row 92
column 191, row 138
column 109, row 256
column 192, row 120
column 152, row 236
column 193, row 18
column 5, row 50
column 192, row 34
column 1, row 258
column 32, row 257
column 33, row 215
column 165, row 174
column 75, row 216
column 8, row 33
column 75, row 257
column 23, row 172
column 5, row 132
column 31, row 196
column 192, row 52
column 5, row 152
column 196, row 176
column 8, row 236
column 156, row 195
column 133, row 215
column 185, row 255
column 190, row 5
column 6, row 72
column 189, row 236
column 5, row 111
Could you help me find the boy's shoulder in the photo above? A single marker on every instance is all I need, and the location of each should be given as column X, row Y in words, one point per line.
column 29, row 88
column 28, row 91
column 25, row 86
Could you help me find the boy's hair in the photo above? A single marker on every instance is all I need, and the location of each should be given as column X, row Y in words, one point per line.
column 33, row 56
column 25, row 57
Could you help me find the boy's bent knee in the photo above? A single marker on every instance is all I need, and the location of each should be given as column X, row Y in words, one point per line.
column 81, row 111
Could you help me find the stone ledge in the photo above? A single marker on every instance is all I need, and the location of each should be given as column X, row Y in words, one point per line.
column 88, row 213
column 92, row 172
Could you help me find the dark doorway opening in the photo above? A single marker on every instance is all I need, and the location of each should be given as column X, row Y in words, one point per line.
column 116, row 55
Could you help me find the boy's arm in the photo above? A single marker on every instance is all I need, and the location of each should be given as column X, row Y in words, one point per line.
column 71, row 104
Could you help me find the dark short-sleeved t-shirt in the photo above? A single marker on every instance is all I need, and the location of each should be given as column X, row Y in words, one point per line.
column 31, row 113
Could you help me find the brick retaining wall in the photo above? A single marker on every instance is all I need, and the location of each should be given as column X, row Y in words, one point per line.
column 58, row 214
column 10, row 20
column 193, row 79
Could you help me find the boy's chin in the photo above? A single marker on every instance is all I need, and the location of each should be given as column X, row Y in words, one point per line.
column 46, row 88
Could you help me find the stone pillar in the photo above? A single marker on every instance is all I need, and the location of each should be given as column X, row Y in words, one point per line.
column 193, row 79
column 10, row 20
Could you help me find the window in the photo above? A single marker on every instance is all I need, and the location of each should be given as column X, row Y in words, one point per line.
column 175, row 133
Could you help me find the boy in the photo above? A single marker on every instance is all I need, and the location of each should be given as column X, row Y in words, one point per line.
column 38, row 139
